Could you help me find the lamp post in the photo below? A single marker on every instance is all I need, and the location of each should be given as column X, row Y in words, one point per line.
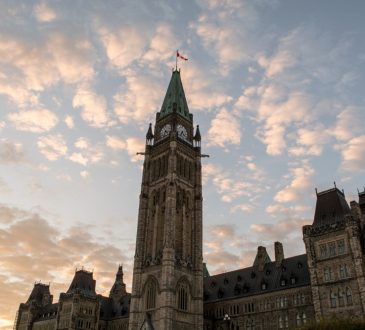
column 226, row 320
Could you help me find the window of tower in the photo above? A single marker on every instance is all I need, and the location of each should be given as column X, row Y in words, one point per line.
column 151, row 295
column 182, row 297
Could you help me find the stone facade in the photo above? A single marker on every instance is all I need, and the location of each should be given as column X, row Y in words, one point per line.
column 172, row 288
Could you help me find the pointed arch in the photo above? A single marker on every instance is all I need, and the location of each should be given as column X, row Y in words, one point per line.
column 182, row 293
column 150, row 292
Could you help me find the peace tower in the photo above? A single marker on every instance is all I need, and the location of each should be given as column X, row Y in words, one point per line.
column 167, row 290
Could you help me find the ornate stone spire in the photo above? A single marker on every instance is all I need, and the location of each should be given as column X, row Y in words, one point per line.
column 119, row 288
column 175, row 98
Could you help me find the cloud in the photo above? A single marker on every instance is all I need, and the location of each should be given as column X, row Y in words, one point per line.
column 301, row 181
column 69, row 121
column 52, row 146
column 132, row 145
column 231, row 187
column 86, row 153
column 44, row 13
column 353, row 154
column 93, row 107
column 224, row 129
column 84, row 174
column 137, row 101
column 29, row 254
column 348, row 123
column 11, row 152
column 123, row 45
column 33, row 64
column 162, row 44
column 35, row 121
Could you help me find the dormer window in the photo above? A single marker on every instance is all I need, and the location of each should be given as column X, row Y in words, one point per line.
column 263, row 286
column 282, row 282
column 293, row 280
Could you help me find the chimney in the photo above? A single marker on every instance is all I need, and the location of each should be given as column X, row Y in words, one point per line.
column 261, row 257
column 279, row 253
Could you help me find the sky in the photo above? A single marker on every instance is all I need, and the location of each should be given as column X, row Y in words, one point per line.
column 277, row 88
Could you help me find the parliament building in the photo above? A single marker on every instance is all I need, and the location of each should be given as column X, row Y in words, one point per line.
column 172, row 288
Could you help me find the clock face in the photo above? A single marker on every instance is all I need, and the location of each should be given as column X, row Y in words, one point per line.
column 165, row 131
column 181, row 132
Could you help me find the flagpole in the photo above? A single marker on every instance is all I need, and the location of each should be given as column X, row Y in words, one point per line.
column 176, row 60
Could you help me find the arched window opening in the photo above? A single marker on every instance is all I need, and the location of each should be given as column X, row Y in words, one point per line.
column 333, row 299
column 182, row 297
column 151, row 295
column 348, row 296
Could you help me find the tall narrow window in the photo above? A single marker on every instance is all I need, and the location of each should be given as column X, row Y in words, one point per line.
column 182, row 297
column 323, row 250
column 304, row 317
column 333, row 299
column 280, row 322
column 341, row 298
column 341, row 246
column 348, row 297
column 151, row 295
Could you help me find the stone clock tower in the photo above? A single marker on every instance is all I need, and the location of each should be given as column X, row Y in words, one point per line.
column 167, row 290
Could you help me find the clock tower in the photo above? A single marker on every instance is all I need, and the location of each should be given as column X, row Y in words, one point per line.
column 167, row 290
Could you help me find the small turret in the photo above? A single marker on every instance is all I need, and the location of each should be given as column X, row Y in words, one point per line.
column 119, row 288
column 83, row 282
column 40, row 295
column 149, row 135
column 197, row 137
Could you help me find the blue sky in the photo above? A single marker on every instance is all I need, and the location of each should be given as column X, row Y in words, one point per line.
column 276, row 87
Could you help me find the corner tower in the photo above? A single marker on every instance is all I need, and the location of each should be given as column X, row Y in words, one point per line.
column 167, row 287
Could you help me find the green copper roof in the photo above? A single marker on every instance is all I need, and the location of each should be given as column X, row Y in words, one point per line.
column 175, row 94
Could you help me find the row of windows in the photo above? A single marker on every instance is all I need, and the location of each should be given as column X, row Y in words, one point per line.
column 341, row 297
column 86, row 310
column 159, row 167
column 282, row 322
column 182, row 299
column 115, row 326
column 264, row 305
column 83, row 324
column 64, row 323
column 184, row 167
column 66, row 308
column 332, row 249
column 343, row 272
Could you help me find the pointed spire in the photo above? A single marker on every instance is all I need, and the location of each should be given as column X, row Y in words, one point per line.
column 197, row 136
column 119, row 288
column 175, row 98
column 149, row 135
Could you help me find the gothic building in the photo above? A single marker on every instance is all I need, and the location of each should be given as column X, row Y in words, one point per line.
column 172, row 288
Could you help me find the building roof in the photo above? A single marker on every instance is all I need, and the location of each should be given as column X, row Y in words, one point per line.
column 331, row 207
column 38, row 292
column 84, row 282
column 111, row 309
column 293, row 272
column 175, row 95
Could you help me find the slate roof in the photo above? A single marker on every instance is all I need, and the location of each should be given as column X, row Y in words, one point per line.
column 84, row 282
column 38, row 292
column 175, row 94
column 331, row 207
column 248, row 281
column 111, row 309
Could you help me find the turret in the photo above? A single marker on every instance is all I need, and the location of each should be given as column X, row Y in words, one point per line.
column 40, row 295
column 262, row 258
column 118, row 289
column 197, row 137
column 83, row 282
column 149, row 135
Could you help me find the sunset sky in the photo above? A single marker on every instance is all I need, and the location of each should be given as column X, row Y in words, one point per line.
column 277, row 88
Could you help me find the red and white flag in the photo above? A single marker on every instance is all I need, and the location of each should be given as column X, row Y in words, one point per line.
column 180, row 56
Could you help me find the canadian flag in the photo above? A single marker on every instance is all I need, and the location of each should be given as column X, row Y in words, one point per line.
column 180, row 56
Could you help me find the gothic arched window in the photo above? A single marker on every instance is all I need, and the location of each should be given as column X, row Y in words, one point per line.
column 333, row 299
column 182, row 296
column 348, row 296
column 151, row 295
